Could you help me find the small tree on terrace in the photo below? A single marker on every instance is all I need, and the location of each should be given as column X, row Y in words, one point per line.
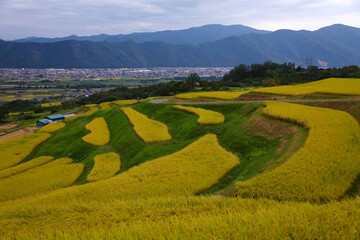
column 192, row 79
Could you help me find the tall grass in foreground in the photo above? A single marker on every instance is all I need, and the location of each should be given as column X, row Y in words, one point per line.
column 182, row 218
column 105, row 165
column 206, row 117
column 100, row 134
column 47, row 177
column 15, row 150
column 150, row 131
column 323, row 169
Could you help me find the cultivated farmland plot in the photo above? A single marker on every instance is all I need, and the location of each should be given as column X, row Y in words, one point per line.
column 253, row 170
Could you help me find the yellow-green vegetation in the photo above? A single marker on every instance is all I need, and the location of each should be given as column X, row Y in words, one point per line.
column 191, row 170
column 39, row 180
column 206, row 117
column 105, row 105
column 25, row 166
column 51, row 104
column 17, row 149
column 343, row 86
column 14, row 113
column 105, row 166
column 323, row 169
column 223, row 95
column 99, row 135
column 52, row 127
column 148, row 130
column 91, row 105
column 88, row 113
column 125, row 102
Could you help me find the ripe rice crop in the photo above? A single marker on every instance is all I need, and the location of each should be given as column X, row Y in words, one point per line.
column 88, row 113
column 91, row 105
column 150, row 131
column 193, row 169
column 344, row 86
column 14, row 113
column 223, row 95
column 39, row 180
column 25, row 166
column 52, row 127
column 105, row 166
column 206, row 117
column 323, row 169
column 184, row 218
column 15, row 150
column 99, row 135
column 51, row 104
column 105, row 105
column 125, row 102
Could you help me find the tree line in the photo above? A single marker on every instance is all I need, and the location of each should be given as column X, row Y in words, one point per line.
column 254, row 75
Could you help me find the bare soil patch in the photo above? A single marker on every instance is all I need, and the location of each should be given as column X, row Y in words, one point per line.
column 8, row 126
column 22, row 132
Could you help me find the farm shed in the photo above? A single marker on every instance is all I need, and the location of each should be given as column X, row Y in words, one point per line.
column 55, row 118
column 42, row 122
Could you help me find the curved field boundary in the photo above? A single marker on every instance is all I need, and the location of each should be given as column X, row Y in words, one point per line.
column 105, row 166
column 206, row 117
column 52, row 127
column 150, row 131
column 343, row 86
column 125, row 102
column 25, row 166
column 223, row 95
column 323, row 169
column 17, row 149
column 88, row 113
column 39, row 180
column 193, row 169
column 105, row 105
column 99, row 135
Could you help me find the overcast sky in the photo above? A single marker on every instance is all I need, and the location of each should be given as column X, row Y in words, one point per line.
column 57, row 18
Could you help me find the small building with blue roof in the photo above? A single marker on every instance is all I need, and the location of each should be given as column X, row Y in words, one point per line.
column 49, row 119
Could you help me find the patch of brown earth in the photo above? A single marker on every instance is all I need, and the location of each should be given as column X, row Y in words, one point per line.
column 258, row 97
column 22, row 132
column 8, row 126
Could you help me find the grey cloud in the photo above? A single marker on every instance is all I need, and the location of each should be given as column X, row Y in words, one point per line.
column 49, row 18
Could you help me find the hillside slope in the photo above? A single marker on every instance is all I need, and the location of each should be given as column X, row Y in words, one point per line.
column 334, row 46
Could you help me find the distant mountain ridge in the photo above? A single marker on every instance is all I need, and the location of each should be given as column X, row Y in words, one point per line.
column 333, row 46
column 192, row 36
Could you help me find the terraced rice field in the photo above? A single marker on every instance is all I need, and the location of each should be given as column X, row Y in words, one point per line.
column 270, row 170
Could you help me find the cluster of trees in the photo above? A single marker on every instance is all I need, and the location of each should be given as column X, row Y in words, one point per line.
column 267, row 74
column 272, row 74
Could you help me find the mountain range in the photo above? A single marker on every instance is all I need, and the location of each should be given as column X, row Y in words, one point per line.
column 211, row 45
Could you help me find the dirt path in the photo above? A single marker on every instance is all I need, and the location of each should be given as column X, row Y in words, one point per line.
column 21, row 132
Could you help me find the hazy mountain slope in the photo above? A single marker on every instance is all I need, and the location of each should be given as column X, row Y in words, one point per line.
column 192, row 36
column 338, row 45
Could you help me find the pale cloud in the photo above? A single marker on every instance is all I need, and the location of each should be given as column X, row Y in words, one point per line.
column 51, row 18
